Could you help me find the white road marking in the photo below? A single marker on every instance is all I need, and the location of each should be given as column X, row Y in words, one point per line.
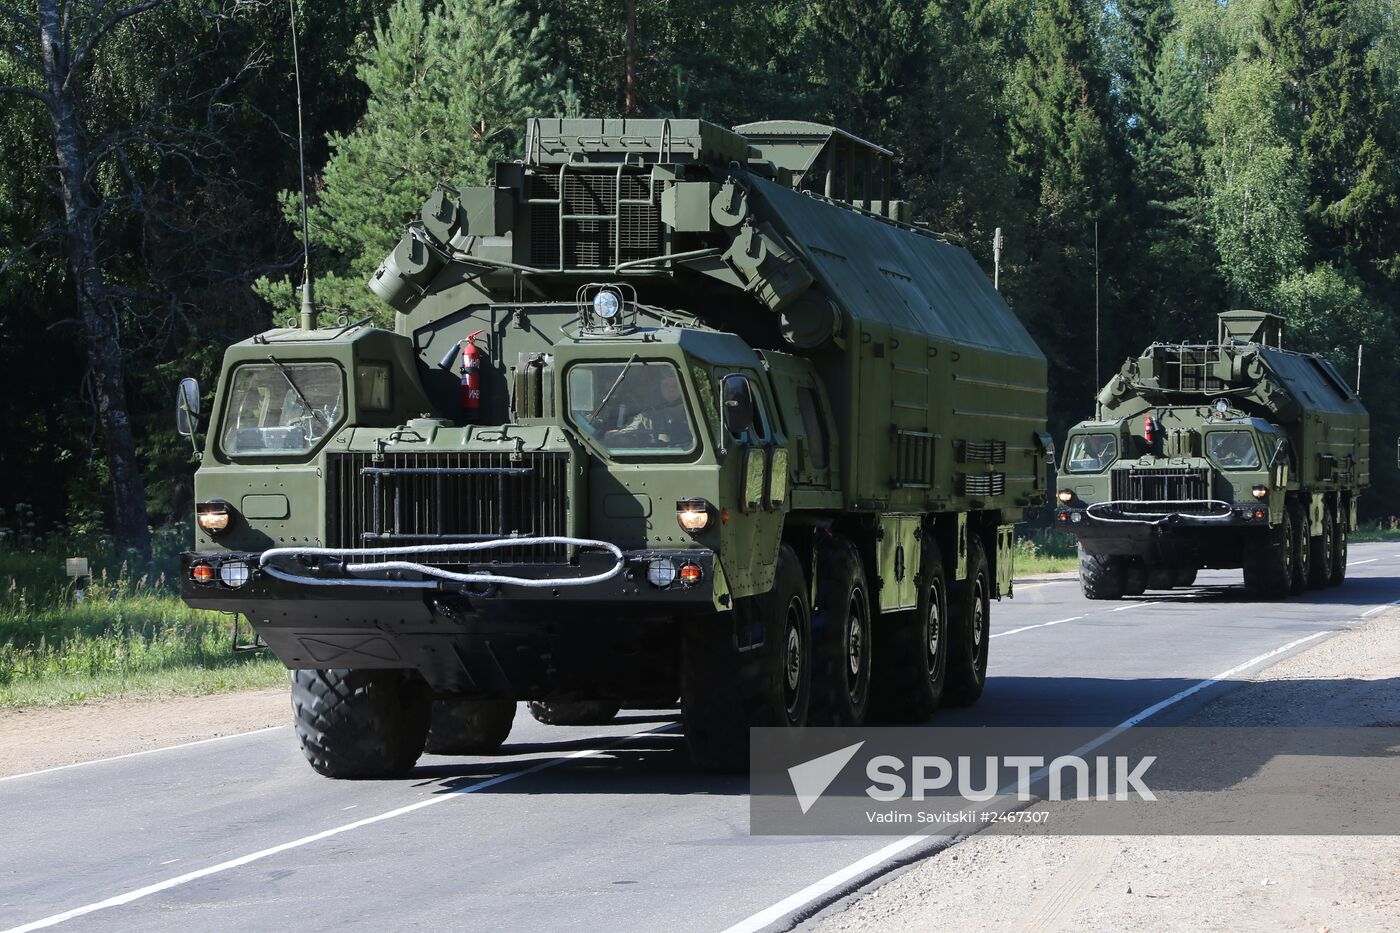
column 1155, row 602
column 149, row 751
column 439, row 796
column 1357, row 563
column 831, row 882
column 1371, row 612
column 1027, row 628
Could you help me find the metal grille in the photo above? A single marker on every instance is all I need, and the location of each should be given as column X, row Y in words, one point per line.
column 982, row 484
column 442, row 498
column 1193, row 370
column 590, row 244
column 982, row 452
column 1164, row 484
column 913, row 460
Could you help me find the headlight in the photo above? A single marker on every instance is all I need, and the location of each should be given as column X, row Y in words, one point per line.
column 1260, row 492
column 233, row 573
column 661, row 572
column 215, row 516
column 605, row 304
column 693, row 514
column 1065, row 495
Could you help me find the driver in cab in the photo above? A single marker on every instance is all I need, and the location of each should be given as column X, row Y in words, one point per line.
column 663, row 425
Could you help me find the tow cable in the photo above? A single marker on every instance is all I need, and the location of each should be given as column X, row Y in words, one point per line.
column 1114, row 504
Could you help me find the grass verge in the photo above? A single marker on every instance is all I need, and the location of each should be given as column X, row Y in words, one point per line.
column 1046, row 551
column 128, row 637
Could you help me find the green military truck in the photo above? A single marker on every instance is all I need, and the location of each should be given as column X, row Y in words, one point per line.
column 668, row 410
column 1224, row 455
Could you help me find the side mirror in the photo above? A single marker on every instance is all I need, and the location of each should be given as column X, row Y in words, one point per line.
column 187, row 407
column 1280, row 457
column 737, row 399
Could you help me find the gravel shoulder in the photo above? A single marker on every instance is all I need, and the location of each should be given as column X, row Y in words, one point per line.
column 1320, row 884
column 38, row 738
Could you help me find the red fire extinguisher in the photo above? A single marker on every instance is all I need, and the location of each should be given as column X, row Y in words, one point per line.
column 1147, row 428
column 471, row 377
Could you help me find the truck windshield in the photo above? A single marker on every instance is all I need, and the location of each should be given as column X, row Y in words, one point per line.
column 1233, row 450
column 282, row 408
column 636, row 407
column 1090, row 453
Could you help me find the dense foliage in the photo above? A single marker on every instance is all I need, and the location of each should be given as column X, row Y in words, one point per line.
column 1200, row 154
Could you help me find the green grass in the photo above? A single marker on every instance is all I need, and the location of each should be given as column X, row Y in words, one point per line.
column 1384, row 530
column 131, row 636
column 1046, row 551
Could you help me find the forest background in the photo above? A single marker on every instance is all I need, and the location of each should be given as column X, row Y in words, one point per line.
column 1199, row 154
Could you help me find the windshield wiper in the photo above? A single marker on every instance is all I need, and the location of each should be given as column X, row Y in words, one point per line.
column 301, row 396
column 626, row 367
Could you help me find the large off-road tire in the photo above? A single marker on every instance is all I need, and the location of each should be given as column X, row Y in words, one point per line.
column 1320, row 572
column 1185, row 575
column 1302, row 551
column 726, row 689
column 841, row 638
column 1268, row 561
column 1134, row 576
column 1339, row 553
column 970, row 617
column 574, row 713
column 1100, row 577
column 360, row 724
column 1162, row 576
column 911, row 650
column 469, row 727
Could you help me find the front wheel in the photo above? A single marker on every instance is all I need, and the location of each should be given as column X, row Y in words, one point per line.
column 360, row 724
column 1100, row 577
column 841, row 636
column 970, row 617
column 1268, row 561
column 1303, row 557
column 729, row 684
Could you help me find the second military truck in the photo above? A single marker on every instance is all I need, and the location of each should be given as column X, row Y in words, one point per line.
column 1232, row 454
column 669, row 411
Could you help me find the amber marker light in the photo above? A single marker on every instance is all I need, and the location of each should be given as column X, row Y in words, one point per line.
column 691, row 574
column 203, row 573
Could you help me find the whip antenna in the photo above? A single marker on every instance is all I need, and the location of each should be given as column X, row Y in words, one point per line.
column 308, row 307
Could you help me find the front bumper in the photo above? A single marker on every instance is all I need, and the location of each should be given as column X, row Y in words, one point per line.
column 1205, row 539
column 492, row 641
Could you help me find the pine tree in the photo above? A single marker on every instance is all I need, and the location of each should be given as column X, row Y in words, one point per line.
column 450, row 87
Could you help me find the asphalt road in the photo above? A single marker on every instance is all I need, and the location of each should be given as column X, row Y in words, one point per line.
column 598, row 828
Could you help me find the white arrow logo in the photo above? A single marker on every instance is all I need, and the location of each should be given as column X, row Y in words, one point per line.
column 811, row 778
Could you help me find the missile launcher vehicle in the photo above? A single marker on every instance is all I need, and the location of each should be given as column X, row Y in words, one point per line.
column 1233, row 454
column 668, row 411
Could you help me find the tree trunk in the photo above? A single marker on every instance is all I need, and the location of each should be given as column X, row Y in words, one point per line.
column 95, row 305
column 629, row 100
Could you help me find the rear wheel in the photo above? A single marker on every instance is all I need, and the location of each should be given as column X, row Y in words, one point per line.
column 1323, row 548
column 970, row 617
column 360, row 724
column 469, row 727
column 913, row 650
column 1185, row 575
column 726, row 688
column 841, row 637
column 1302, row 552
column 575, row 713
column 1100, row 577
column 1339, row 553
column 1268, row 561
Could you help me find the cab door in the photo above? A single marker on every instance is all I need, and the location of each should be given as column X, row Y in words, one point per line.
column 755, row 481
